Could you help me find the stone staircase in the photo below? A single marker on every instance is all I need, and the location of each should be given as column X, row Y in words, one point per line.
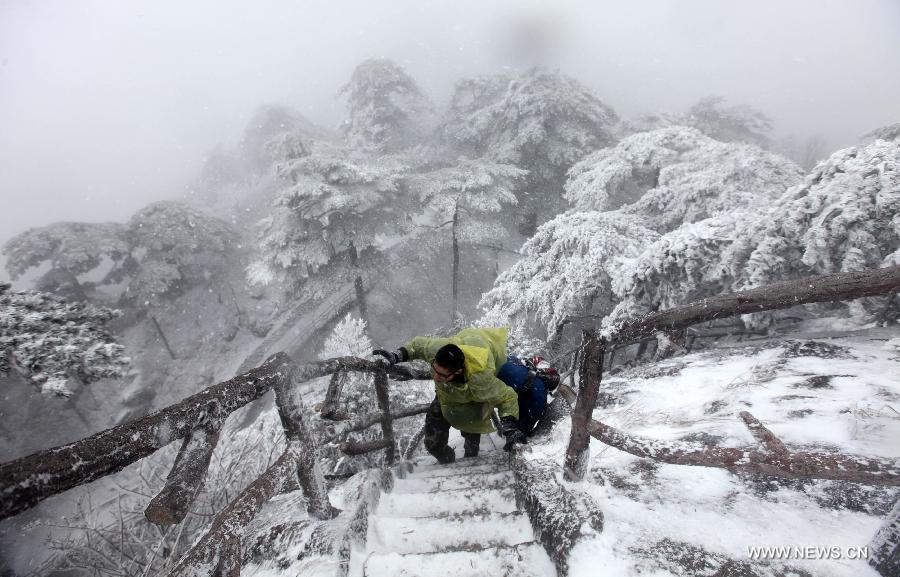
column 456, row 520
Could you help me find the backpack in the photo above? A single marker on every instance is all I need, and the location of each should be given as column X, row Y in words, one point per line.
column 544, row 371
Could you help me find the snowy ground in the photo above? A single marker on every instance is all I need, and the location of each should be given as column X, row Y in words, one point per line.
column 828, row 393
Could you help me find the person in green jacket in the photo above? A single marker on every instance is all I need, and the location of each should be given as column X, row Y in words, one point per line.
column 464, row 367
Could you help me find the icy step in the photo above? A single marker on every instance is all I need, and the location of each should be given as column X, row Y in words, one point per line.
column 450, row 470
column 455, row 533
column 435, row 484
column 498, row 459
column 448, row 503
column 525, row 560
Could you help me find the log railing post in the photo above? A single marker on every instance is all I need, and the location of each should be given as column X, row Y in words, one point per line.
column 298, row 433
column 330, row 406
column 387, row 422
column 577, row 452
column 187, row 476
column 218, row 551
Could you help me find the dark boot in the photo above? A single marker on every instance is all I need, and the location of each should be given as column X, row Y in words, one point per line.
column 471, row 446
column 437, row 431
column 446, row 457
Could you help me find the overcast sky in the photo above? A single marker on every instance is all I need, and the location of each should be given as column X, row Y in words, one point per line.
column 107, row 105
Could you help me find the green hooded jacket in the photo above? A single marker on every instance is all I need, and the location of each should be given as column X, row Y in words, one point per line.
column 467, row 405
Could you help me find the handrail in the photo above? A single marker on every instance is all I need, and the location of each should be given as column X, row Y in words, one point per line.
column 822, row 288
column 198, row 420
column 26, row 481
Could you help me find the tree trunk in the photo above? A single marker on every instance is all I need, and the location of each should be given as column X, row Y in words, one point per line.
column 162, row 336
column 358, row 285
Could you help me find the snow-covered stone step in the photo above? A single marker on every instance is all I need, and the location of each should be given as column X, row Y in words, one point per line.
column 450, row 470
column 435, row 484
column 525, row 560
column 452, row 502
column 496, row 458
column 455, row 533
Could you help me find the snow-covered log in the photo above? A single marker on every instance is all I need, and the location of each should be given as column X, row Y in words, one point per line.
column 775, row 460
column 822, row 288
column 367, row 420
column 299, row 434
column 31, row 479
column 218, row 551
column 764, row 436
column 787, row 464
column 330, row 406
column 186, row 478
column 560, row 517
column 352, row 448
column 885, row 546
column 833, row 287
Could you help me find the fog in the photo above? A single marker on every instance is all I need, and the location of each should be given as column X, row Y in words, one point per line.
column 105, row 106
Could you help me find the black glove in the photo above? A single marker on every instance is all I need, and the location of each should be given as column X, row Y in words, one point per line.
column 509, row 428
column 393, row 357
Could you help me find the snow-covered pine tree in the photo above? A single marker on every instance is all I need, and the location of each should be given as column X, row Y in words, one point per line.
column 543, row 122
column 70, row 249
column 844, row 216
column 176, row 247
column 334, row 202
column 566, row 271
column 385, row 107
column 268, row 122
column 675, row 175
column 51, row 341
column 679, row 267
column 465, row 198
column 887, row 132
column 739, row 123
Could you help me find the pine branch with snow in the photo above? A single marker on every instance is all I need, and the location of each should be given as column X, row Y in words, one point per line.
column 675, row 175
column 50, row 341
column 175, row 246
column 567, row 269
column 844, row 216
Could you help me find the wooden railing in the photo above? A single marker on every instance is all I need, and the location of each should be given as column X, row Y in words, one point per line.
column 834, row 287
column 773, row 458
column 197, row 421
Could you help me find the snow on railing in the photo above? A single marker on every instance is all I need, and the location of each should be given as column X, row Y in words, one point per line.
column 774, row 459
column 198, row 421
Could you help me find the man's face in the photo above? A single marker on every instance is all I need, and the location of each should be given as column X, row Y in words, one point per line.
column 442, row 374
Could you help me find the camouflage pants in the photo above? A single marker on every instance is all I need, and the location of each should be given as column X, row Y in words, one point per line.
column 437, row 431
